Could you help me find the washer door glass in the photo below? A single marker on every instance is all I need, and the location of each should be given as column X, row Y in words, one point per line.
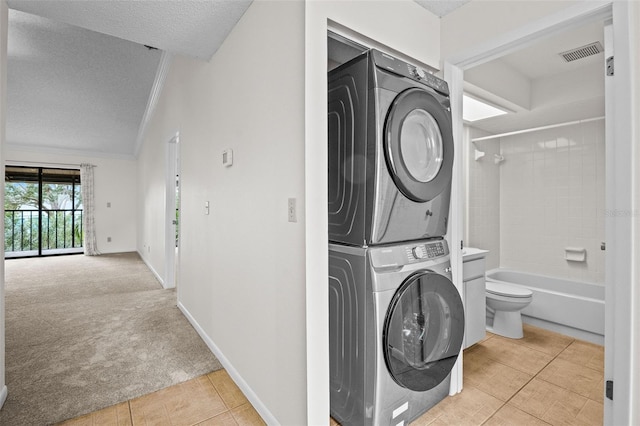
column 421, row 145
column 418, row 144
column 423, row 331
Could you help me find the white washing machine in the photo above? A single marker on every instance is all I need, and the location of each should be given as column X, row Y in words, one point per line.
column 390, row 152
column 396, row 325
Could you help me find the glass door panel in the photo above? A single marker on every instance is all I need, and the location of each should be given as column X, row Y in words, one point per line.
column 43, row 211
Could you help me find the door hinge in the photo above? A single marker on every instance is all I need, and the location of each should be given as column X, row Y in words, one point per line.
column 609, row 389
column 461, row 244
column 610, row 66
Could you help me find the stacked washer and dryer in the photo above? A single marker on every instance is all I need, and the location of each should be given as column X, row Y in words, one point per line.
column 396, row 318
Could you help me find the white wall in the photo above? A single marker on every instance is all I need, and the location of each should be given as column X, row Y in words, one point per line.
column 402, row 26
column 242, row 271
column 568, row 88
column 115, row 183
column 4, row 16
column 482, row 20
column 629, row 328
column 499, row 79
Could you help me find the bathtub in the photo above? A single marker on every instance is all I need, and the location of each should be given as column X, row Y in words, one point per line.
column 569, row 307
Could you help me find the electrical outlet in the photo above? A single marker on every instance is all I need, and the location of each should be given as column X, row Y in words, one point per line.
column 291, row 209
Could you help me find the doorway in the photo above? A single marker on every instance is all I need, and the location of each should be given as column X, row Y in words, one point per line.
column 619, row 199
column 172, row 212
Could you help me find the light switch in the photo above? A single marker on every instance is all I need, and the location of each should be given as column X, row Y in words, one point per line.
column 227, row 157
column 291, row 210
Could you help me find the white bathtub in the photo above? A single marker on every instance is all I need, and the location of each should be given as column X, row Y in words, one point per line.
column 569, row 307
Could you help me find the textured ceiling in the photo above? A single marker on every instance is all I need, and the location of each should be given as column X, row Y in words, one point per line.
column 540, row 63
column 73, row 89
column 189, row 27
column 79, row 77
column 441, row 7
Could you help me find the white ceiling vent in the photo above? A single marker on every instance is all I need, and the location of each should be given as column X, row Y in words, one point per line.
column 582, row 52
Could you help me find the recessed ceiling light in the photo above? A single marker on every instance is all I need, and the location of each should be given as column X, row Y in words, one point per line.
column 474, row 109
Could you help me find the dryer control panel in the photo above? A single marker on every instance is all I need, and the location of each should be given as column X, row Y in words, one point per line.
column 389, row 63
column 408, row 253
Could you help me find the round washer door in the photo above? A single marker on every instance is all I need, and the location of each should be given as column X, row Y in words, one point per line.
column 423, row 331
column 418, row 143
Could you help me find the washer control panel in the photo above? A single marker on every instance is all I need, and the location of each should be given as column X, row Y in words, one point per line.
column 390, row 257
column 429, row 250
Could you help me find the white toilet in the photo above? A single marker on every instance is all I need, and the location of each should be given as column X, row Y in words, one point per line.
column 504, row 303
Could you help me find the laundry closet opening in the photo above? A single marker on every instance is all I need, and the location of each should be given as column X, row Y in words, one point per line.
column 535, row 176
column 396, row 320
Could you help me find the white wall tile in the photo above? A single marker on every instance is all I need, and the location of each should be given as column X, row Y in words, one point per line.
column 548, row 194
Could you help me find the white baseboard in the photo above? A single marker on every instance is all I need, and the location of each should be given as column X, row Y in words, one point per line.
column 3, row 395
column 153, row 271
column 235, row 375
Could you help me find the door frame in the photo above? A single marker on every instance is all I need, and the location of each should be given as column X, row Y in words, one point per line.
column 171, row 170
column 619, row 325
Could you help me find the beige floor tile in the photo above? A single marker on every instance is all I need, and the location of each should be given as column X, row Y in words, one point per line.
column 549, row 402
column 576, row 378
column 246, row 415
column 542, row 340
column 470, row 407
column 585, row 353
column 592, row 414
column 509, row 416
column 517, row 356
column 224, row 419
column 228, row 390
column 116, row 415
column 188, row 403
column 597, row 392
column 492, row 377
column 333, row 422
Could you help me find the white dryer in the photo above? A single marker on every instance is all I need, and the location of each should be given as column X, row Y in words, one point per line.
column 396, row 329
column 390, row 152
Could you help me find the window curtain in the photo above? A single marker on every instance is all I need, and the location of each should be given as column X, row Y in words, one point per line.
column 88, row 206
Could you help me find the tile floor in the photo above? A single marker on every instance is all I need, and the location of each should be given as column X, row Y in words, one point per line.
column 543, row 379
column 209, row 400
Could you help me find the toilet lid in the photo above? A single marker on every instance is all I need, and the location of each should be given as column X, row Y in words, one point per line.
column 502, row 289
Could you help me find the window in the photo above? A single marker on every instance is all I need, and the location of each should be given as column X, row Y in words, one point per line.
column 43, row 211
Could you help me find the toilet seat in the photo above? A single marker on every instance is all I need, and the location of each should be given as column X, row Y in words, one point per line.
column 506, row 290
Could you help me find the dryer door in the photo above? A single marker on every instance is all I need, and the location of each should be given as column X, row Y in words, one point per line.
column 423, row 331
column 418, row 144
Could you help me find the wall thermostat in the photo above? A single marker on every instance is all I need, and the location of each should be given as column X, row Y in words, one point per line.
column 227, row 157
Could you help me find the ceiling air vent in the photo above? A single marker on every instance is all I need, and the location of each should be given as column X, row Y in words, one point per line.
column 582, row 52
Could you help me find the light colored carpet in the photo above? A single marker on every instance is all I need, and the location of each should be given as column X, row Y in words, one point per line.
column 84, row 333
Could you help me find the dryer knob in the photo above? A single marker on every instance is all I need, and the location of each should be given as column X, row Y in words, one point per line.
column 416, row 73
column 419, row 252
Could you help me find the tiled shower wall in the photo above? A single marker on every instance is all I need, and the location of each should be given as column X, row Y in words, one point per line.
column 551, row 196
column 483, row 189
